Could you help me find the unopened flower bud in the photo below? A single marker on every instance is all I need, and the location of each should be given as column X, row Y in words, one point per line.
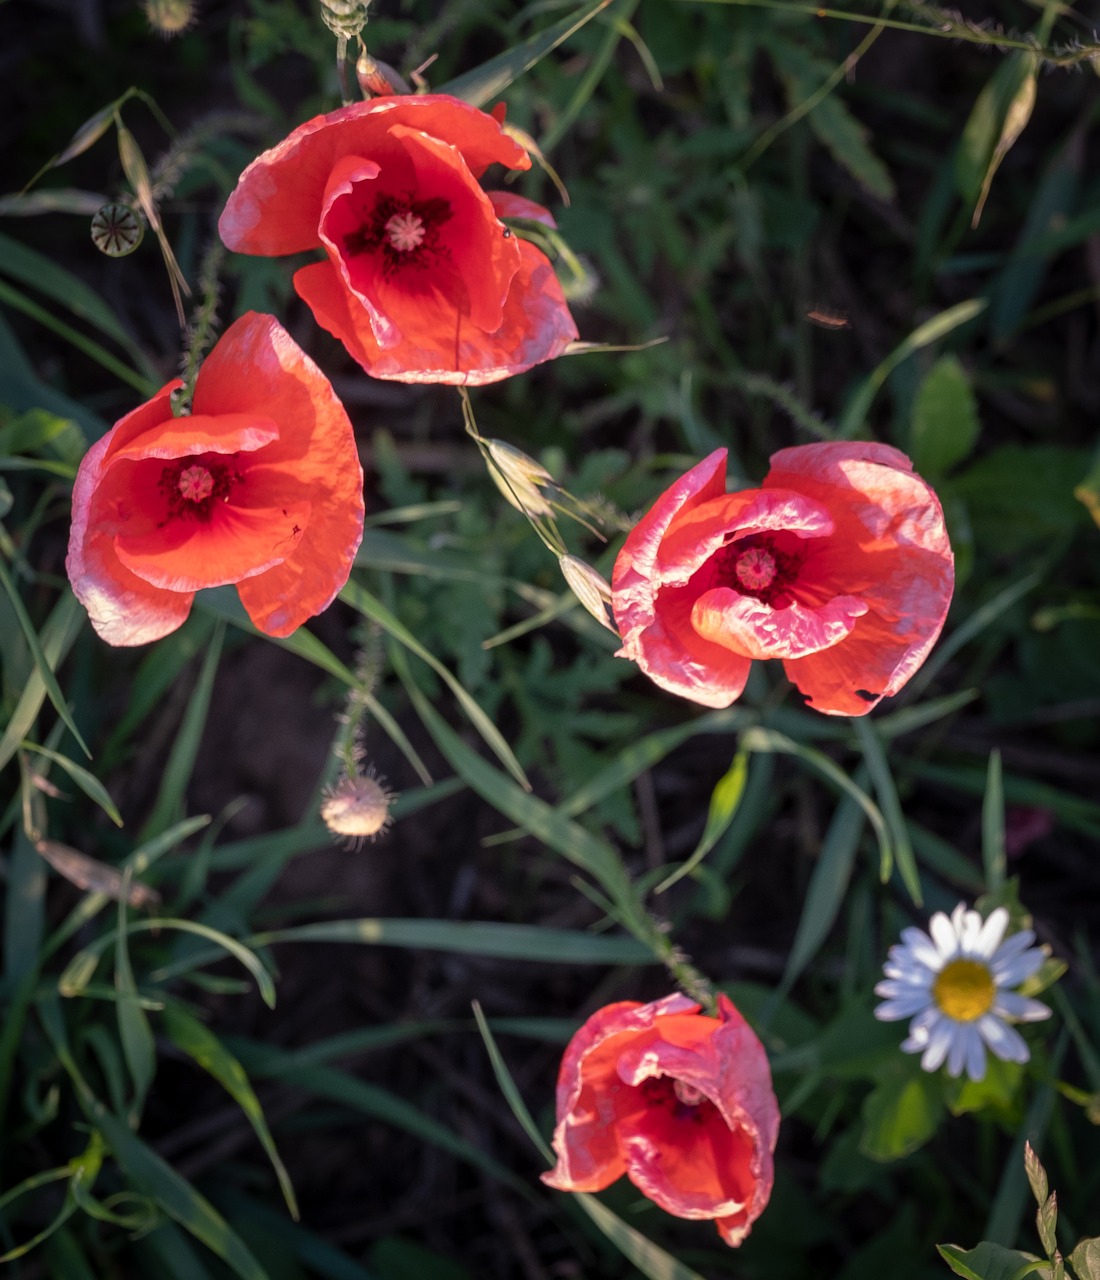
column 518, row 477
column 590, row 587
column 170, row 17
column 377, row 78
column 357, row 808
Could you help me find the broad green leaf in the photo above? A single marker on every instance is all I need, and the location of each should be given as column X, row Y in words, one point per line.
column 945, row 419
column 482, row 938
column 200, row 1043
column 856, row 410
column 725, row 800
column 87, row 782
column 479, row 86
column 1085, row 1259
column 361, row 599
column 987, row 1261
column 900, row 1115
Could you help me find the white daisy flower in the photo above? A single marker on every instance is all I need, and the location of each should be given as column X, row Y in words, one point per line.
column 956, row 985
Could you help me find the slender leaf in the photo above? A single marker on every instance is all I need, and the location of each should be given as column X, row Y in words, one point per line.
column 994, row 857
column 479, row 86
column 480, row 938
column 879, row 770
column 200, row 1043
column 135, row 1034
column 361, row 599
column 87, row 782
column 725, row 800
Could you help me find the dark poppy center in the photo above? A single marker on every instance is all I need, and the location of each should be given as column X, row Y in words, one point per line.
column 192, row 485
column 402, row 231
column 758, row 566
column 682, row 1100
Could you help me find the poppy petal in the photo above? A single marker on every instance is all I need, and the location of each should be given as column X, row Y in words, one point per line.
column 276, row 206
column 510, row 205
column 754, row 629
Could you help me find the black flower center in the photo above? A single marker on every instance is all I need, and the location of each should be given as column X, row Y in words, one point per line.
column 404, row 232
column 192, row 485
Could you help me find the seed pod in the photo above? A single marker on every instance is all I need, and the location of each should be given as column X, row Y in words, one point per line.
column 169, row 17
column 117, row 230
column 357, row 808
column 590, row 587
column 344, row 17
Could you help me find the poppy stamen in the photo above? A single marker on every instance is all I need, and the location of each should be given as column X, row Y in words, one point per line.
column 755, row 568
column 405, row 231
column 196, row 483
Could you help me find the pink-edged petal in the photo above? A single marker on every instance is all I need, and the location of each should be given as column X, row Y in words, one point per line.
column 199, row 433
column 753, row 629
column 509, row 205
column 585, row 1140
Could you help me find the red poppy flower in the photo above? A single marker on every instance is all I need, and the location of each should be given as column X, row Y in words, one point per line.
column 422, row 281
column 680, row 1102
column 260, row 486
column 839, row 565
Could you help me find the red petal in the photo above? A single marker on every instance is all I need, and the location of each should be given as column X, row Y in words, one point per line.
column 537, row 326
column 234, row 543
column 123, row 609
column 891, row 549
column 589, row 1090
column 276, row 207
column 509, row 205
column 316, row 448
column 754, row 629
column 198, row 433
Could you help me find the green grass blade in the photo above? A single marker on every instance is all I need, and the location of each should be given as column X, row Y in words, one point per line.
column 855, row 412
column 827, row 889
column 142, row 385
column 725, row 800
column 181, row 761
column 535, row 816
column 379, row 1104
column 366, row 604
column 650, row 1259
column 134, row 1031
column 758, row 739
column 972, row 627
column 509, row 1089
column 87, row 782
column 43, row 669
column 882, row 779
column 994, row 858
column 24, row 910
column 479, row 938
column 29, row 267
column 198, row 1042
column 151, row 1175
column 479, row 86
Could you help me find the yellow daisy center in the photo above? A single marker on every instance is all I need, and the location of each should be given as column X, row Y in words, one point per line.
column 964, row 990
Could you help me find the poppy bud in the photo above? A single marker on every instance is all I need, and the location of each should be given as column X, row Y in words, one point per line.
column 169, row 17
column 357, row 808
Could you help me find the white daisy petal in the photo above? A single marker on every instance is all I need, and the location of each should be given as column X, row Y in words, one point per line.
column 1003, row 1040
column 1017, row 969
column 904, row 1007
column 956, row 1054
column 968, row 928
column 944, row 935
column 891, row 988
column 975, row 1054
column 922, row 949
column 1011, row 1005
column 939, row 1041
column 990, row 934
column 1014, row 945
